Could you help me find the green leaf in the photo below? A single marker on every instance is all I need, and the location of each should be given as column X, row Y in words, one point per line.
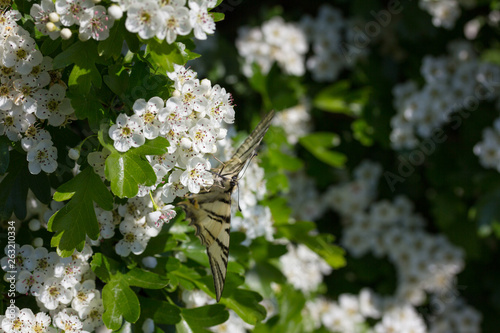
column 246, row 305
column 104, row 267
column 141, row 278
column 321, row 244
column 49, row 46
column 126, row 171
column 488, row 211
column 4, row 154
column 84, row 73
column 77, row 218
column 88, row 106
column 112, row 46
column 205, row 316
column 217, row 16
column 15, row 187
column 163, row 56
column 120, row 302
column 341, row 98
column 160, row 311
column 284, row 161
column 319, row 144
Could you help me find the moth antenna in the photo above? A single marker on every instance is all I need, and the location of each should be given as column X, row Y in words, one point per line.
column 223, row 164
column 246, row 165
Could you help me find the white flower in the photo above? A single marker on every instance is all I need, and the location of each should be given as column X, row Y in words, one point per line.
column 42, row 157
column 33, row 135
column 92, row 316
column 38, row 323
column 134, row 240
column 95, row 23
column 148, row 326
column 53, row 293
column 20, row 52
column 68, row 322
column 144, row 18
column 83, row 294
column 202, row 22
column 180, row 75
column 40, row 13
column 53, row 105
column 127, row 132
column 70, row 272
column 45, row 261
column 197, row 175
column 174, row 188
column 14, row 122
column 176, row 22
column 219, row 106
column 191, row 97
column 162, row 216
column 149, row 112
column 13, row 323
column 257, row 221
column 203, row 136
column 70, row 11
column 23, row 258
column 6, row 95
column 28, row 282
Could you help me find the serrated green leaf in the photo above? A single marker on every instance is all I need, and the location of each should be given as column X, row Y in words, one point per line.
column 104, row 267
column 160, row 311
column 126, row 171
column 163, row 56
column 320, row 143
column 84, row 73
column 145, row 279
column 112, row 46
column 120, row 302
column 246, row 305
column 77, row 218
column 88, row 107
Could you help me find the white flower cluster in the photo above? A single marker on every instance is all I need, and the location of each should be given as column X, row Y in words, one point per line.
column 138, row 223
column 295, row 121
column 331, row 51
column 453, row 84
column 55, row 18
column 275, row 41
column 167, row 19
column 445, row 12
column 64, row 289
column 28, row 98
column 488, row 150
column 426, row 264
column 191, row 120
column 303, row 268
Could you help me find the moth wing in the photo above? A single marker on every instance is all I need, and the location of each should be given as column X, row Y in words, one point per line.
column 210, row 214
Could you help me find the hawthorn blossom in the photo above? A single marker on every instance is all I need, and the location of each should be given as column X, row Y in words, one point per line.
column 71, row 11
column 134, row 240
column 42, row 157
column 203, row 136
column 53, row 105
column 201, row 21
column 20, row 52
column 95, row 23
column 176, row 22
column 150, row 112
column 127, row 132
column 144, row 18
column 53, row 293
column 197, row 175
column 40, row 13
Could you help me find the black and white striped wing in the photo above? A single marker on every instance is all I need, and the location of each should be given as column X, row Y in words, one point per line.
column 210, row 212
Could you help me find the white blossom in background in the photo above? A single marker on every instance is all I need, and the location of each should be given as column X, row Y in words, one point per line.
column 95, row 23
column 426, row 264
column 488, row 150
column 127, row 132
column 444, row 12
column 275, row 41
column 452, row 83
column 296, row 121
column 330, row 50
column 303, row 268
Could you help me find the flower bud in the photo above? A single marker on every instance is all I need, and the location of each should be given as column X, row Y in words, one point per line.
column 74, row 154
column 51, row 26
column 66, row 33
column 115, row 12
column 54, row 17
